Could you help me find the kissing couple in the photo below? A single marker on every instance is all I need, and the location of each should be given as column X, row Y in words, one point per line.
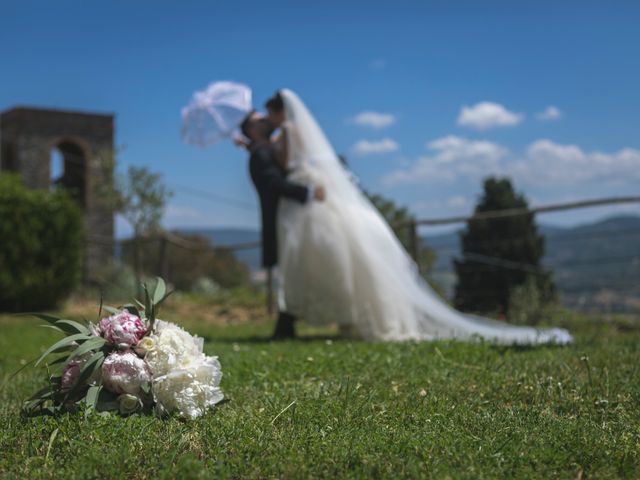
column 338, row 260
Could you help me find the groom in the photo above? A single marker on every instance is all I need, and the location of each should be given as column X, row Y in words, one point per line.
column 271, row 183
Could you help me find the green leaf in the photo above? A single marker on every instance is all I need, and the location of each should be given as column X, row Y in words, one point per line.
column 72, row 327
column 88, row 369
column 91, row 399
column 91, row 366
column 133, row 309
column 44, row 392
column 65, row 342
column 101, row 304
column 160, row 290
column 93, row 343
column 42, row 316
column 148, row 306
column 111, row 310
column 68, row 326
column 52, row 327
column 163, row 298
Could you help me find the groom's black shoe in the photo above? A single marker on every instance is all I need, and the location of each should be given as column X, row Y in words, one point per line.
column 284, row 327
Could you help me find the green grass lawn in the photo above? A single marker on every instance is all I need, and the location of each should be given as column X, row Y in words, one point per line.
column 323, row 407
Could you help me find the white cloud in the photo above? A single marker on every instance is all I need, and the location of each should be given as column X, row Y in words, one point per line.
column 367, row 147
column 485, row 115
column 374, row 119
column 547, row 162
column 436, row 207
column 543, row 163
column 457, row 201
column 549, row 114
column 452, row 157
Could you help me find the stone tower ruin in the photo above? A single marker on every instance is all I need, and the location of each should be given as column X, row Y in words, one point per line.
column 84, row 145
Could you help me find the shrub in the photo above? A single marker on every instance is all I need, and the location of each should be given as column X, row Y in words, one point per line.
column 187, row 262
column 41, row 246
column 530, row 305
column 205, row 286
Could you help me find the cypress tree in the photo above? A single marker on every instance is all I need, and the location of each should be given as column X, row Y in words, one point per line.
column 499, row 254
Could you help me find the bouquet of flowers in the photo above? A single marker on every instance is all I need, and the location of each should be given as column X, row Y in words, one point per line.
column 130, row 361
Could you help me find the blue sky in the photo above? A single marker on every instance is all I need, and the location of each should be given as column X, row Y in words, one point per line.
column 424, row 98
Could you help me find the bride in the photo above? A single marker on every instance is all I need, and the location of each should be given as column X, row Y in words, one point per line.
column 340, row 262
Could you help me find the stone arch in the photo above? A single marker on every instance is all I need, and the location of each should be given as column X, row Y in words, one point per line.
column 75, row 172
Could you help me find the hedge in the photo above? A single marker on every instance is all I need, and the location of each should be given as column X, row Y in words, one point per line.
column 41, row 246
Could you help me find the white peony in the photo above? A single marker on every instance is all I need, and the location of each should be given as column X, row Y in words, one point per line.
column 189, row 391
column 145, row 345
column 125, row 372
column 185, row 380
column 173, row 348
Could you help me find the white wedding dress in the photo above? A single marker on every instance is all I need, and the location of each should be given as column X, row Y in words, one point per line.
column 340, row 262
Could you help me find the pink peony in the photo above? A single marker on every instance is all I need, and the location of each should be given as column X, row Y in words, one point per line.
column 69, row 375
column 123, row 328
column 125, row 372
column 72, row 371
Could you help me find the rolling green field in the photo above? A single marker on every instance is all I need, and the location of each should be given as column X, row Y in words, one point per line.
column 324, row 407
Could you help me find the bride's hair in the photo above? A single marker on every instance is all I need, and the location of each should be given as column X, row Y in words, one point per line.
column 275, row 103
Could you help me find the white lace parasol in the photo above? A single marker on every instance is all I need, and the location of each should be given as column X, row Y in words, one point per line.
column 215, row 113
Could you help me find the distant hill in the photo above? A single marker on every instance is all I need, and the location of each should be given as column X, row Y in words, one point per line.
column 596, row 265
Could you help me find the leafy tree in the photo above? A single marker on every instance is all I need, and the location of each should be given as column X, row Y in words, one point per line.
column 140, row 197
column 398, row 218
column 499, row 254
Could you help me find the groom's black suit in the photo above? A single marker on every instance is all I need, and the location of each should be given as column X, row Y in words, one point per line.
column 271, row 183
column 270, row 180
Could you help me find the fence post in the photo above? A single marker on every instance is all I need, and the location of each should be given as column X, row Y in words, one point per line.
column 414, row 242
column 137, row 268
column 162, row 256
column 270, row 291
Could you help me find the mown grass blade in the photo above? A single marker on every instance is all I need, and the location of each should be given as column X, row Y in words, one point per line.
column 52, row 439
